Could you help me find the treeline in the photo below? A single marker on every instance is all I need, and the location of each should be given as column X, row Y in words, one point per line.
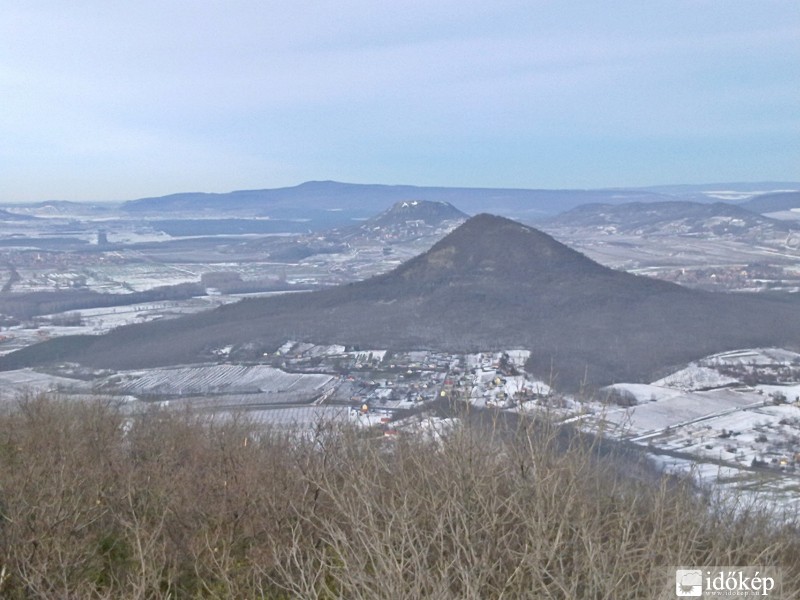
column 95, row 503
column 229, row 282
column 27, row 305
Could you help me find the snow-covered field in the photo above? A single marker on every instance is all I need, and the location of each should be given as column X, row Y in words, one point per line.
column 753, row 356
column 705, row 421
column 13, row 384
column 220, row 379
column 695, row 377
column 681, row 409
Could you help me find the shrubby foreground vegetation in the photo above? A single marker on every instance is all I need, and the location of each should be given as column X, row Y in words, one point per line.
column 94, row 504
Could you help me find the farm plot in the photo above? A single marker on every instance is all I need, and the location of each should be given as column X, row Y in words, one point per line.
column 255, row 401
column 15, row 383
column 304, row 417
column 681, row 410
column 298, row 419
column 756, row 356
column 760, row 433
column 270, row 384
column 695, row 377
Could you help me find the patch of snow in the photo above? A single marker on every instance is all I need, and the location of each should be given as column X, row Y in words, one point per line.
column 680, row 410
column 753, row 356
column 695, row 377
column 518, row 357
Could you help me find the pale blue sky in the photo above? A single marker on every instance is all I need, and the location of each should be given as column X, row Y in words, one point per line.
column 111, row 99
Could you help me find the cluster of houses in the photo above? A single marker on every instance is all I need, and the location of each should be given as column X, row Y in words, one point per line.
column 376, row 384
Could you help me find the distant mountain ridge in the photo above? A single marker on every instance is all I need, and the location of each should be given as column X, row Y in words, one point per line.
column 671, row 217
column 290, row 202
column 491, row 283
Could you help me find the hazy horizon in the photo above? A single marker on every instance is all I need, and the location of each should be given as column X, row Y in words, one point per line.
column 779, row 186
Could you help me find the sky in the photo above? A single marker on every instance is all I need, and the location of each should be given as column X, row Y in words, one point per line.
column 114, row 100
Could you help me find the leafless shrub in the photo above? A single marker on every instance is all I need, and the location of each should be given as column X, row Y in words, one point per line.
column 169, row 504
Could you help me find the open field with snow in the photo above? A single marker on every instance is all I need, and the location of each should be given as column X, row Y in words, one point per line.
column 269, row 384
column 680, row 409
column 14, row 384
column 703, row 419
